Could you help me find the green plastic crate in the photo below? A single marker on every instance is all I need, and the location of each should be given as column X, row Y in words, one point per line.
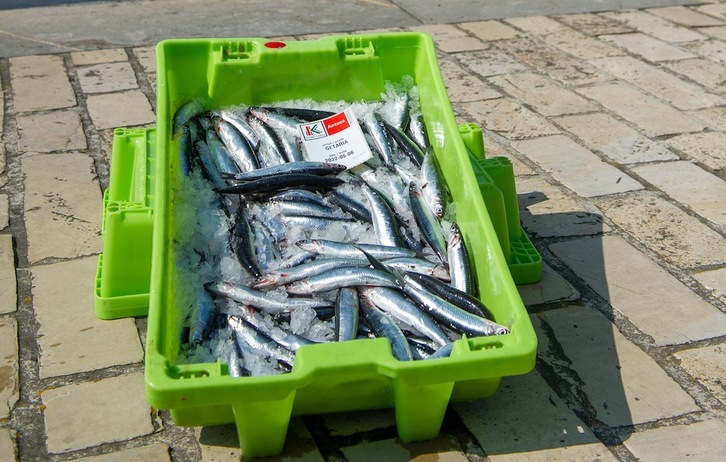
column 360, row 374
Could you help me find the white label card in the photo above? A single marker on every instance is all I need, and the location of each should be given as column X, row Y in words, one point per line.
column 337, row 139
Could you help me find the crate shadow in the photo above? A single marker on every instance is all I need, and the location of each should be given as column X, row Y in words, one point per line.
column 575, row 399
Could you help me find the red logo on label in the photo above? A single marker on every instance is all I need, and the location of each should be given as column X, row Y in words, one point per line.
column 336, row 123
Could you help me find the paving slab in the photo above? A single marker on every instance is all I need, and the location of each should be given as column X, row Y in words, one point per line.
column 580, row 45
column 650, row 114
column 87, row 58
column 462, row 86
column 219, row 443
column 9, row 381
column 696, row 441
column 361, row 421
column 685, row 16
column 490, row 62
column 123, row 109
column 552, row 288
column 71, row 338
column 107, row 77
column 700, row 190
column 509, row 119
column 4, row 211
column 706, row 148
column 594, row 24
column 62, row 206
column 712, row 49
column 717, row 32
column 665, row 229
column 7, row 445
column 156, row 452
column 8, row 283
column 624, row 386
column 656, row 26
column 707, row 365
column 40, row 83
column 658, row 82
column 576, row 167
column 648, row 47
column 634, row 285
column 489, row 30
column 553, row 62
column 546, row 211
column 701, row 70
column 51, row 131
column 619, row 142
column 86, row 414
column 495, row 149
column 714, row 281
column 526, row 420
column 542, row 94
column 717, row 10
column 450, row 38
column 713, row 117
column 392, row 450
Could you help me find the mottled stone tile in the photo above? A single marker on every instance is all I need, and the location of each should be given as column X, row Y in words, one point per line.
column 489, row 30
column 695, row 441
column 636, row 290
column 665, row 229
column 40, row 83
column 700, row 190
column 123, row 109
column 156, row 452
column 656, row 26
column 7, row 445
column 461, row 86
column 62, row 206
column 509, row 119
column 706, row 148
column 542, row 94
column 623, row 385
column 107, row 77
column 8, row 283
column 576, row 167
column 648, row 47
column 684, row 16
column 9, row 380
column 551, row 288
column 490, row 62
column 616, row 140
column 653, row 116
column 707, row 365
column 87, row 58
column 51, row 131
column 450, row 38
column 70, row 336
column 714, row 281
column 441, row 449
column 701, row 70
column 526, row 420
column 87, row 414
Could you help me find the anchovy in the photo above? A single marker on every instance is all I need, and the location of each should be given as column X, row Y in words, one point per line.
column 342, row 277
column 308, row 115
column 234, row 362
column 277, row 120
column 431, row 185
column 238, row 146
column 350, row 204
column 284, row 180
column 452, row 295
column 374, row 126
column 449, row 314
column 406, row 145
column 252, row 342
column 271, row 151
column 243, row 127
column 307, row 167
column 384, row 220
column 296, row 195
column 306, row 209
column 305, row 270
column 209, row 166
column 220, row 154
column 417, row 130
column 427, row 223
column 383, row 326
column 346, row 314
column 280, row 335
column 204, row 312
column 443, row 352
column 263, row 301
column 185, row 113
column 419, row 265
column 400, row 307
column 459, row 264
column 243, row 243
column 346, row 250
column 185, row 150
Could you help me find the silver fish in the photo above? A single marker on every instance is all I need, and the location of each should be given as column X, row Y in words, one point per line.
column 346, row 250
column 342, row 277
column 239, row 148
column 243, row 127
column 203, row 314
column 263, row 301
column 459, row 264
column 427, row 223
column 252, row 342
column 383, row 326
column 346, row 314
column 384, row 221
column 400, row 307
column 284, row 276
column 381, row 142
column 432, row 186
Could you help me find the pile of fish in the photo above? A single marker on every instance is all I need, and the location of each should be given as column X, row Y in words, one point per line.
column 275, row 252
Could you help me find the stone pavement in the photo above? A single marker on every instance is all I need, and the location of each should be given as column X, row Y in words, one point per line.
column 615, row 122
